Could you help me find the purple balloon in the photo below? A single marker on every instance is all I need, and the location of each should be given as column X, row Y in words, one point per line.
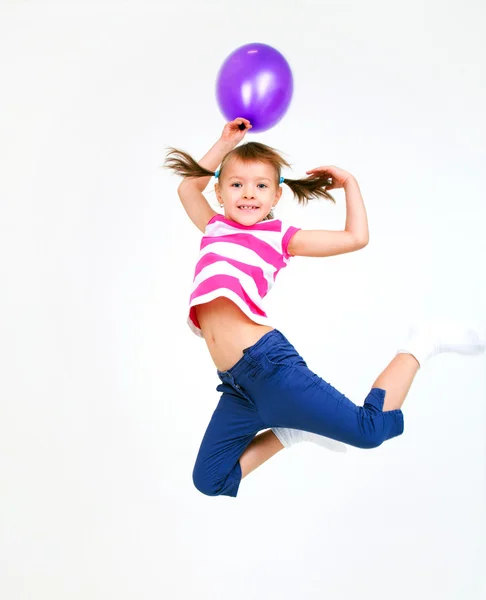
column 255, row 82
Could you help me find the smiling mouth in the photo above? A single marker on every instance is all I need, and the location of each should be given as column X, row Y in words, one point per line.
column 247, row 207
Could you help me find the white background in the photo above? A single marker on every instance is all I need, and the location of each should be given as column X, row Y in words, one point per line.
column 104, row 391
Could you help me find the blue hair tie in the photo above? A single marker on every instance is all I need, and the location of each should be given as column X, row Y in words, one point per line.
column 281, row 180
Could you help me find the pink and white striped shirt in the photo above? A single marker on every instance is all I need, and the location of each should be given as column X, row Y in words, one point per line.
column 239, row 262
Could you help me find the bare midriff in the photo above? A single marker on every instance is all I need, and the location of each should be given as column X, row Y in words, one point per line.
column 227, row 331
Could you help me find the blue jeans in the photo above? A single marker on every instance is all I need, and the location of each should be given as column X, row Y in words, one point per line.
column 271, row 386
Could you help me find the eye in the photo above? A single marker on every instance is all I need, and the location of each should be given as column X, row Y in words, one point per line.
column 263, row 185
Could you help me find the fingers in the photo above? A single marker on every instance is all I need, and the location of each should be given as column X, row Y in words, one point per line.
column 322, row 172
column 242, row 123
column 322, row 175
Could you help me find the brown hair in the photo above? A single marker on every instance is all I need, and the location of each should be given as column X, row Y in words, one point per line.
column 303, row 189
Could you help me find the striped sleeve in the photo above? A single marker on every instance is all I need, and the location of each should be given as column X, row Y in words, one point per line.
column 287, row 232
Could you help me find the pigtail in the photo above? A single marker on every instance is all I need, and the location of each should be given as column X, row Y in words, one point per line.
column 184, row 165
column 310, row 187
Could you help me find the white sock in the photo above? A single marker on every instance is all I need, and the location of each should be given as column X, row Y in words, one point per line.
column 289, row 437
column 427, row 339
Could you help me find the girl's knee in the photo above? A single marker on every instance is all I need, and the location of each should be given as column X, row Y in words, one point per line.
column 215, row 486
column 376, row 425
column 375, row 434
column 204, row 484
column 369, row 441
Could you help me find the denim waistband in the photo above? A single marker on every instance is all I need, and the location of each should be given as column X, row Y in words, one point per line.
column 254, row 352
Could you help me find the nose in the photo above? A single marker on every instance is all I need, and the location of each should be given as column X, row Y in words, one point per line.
column 247, row 194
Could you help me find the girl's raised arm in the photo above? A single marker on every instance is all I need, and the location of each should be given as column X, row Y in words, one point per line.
column 356, row 218
column 330, row 243
column 191, row 188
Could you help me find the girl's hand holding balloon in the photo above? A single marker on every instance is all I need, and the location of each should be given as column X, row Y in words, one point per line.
column 235, row 131
column 338, row 177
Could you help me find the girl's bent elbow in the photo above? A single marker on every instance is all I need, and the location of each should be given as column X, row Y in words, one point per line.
column 362, row 242
column 189, row 184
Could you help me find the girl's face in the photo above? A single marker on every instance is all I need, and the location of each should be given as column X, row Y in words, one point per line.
column 248, row 191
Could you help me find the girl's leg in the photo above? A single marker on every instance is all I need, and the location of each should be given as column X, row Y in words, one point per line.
column 232, row 428
column 423, row 343
column 396, row 379
column 262, row 447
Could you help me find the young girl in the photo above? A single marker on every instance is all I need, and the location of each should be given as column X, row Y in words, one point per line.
column 265, row 382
